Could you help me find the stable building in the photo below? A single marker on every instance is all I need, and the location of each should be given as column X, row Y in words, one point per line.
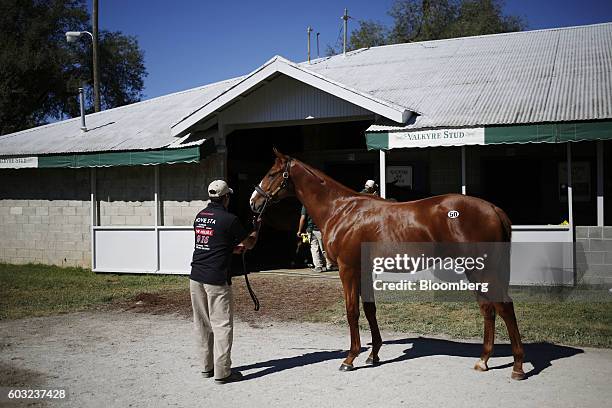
column 502, row 117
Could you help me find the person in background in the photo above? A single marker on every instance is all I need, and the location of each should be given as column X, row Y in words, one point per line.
column 319, row 258
column 218, row 234
column 370, row 188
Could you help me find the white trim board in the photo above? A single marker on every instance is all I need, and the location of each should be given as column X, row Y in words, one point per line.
column 279, row 65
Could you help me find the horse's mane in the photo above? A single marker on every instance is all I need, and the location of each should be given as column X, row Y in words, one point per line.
column 327, row 180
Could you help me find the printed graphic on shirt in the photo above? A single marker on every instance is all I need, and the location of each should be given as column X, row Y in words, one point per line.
column 204, row 231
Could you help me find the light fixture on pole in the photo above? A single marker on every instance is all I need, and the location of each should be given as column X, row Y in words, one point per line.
column 73, row 36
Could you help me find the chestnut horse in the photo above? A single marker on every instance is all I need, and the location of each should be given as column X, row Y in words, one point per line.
column 347, row 218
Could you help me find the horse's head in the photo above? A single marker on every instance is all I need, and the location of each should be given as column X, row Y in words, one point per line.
column 275, row 185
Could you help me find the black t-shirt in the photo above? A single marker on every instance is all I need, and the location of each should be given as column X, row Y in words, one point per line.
column 217, row 232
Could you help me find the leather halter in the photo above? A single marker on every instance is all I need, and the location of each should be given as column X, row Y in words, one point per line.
column 271, row 197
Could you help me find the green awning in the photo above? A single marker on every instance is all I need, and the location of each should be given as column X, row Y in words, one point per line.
column 128, row 158
column 541, row 133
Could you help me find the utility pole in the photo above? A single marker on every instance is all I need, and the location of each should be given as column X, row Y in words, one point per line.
column 345, row 17
column 318, row 56
column 309, row 30
column 96, row 65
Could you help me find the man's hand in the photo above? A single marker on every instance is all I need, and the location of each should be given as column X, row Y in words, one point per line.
column 239, row 249
column 299, row 234
column 249, row 241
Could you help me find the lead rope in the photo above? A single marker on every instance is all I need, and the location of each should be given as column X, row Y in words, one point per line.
column 246, row 279
column 267, row 197
column 244, row 268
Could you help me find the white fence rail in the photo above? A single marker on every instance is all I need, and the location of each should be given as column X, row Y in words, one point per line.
column 168, row 250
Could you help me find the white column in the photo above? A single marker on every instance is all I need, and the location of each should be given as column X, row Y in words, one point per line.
column 156, row 215
column 93, row 211
column 463, row 179
column 383, row 173
column 600, row 184
column 570, row 199
column 156, row 196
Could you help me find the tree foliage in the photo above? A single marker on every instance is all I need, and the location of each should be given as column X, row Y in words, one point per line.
column 368, row 34
column 40, row 72
column 423, row 20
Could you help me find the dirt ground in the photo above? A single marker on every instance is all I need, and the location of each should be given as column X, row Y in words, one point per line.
column 127, row 359
column 282, row 298
column 140, row 353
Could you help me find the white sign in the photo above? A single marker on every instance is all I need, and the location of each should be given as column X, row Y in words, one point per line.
column 437, row 137
column 18, row 162
column 401, row 176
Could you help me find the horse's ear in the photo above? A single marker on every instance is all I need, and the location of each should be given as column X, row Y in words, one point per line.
column 278, row 154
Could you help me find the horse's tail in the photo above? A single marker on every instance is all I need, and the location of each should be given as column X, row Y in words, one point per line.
column 506, row 224
column 503, row 270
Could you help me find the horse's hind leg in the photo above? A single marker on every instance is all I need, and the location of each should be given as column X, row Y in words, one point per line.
column 488, row 313
column 369, row 309
column 506, row 311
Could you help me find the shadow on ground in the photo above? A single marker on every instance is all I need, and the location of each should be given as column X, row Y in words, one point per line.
column 540, row 355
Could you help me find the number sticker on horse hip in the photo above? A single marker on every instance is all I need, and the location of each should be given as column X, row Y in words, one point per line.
column 453, row 214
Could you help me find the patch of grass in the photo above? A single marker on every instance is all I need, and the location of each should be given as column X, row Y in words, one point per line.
column 570, row 323
column 41, row 290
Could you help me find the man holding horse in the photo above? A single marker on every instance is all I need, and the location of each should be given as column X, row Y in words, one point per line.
column 217, row 234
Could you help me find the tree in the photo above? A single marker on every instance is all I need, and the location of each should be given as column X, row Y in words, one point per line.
column 368, row 34
column 415, row 20
column 477, row 17
column 421, row 21
column 122, row 71
column 41, row 72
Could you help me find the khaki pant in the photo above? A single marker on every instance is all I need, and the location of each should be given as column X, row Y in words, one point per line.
column 213, row 319
column 319, row 257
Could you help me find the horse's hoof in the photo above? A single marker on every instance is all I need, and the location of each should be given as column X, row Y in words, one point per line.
column 373, row 360
column 346, row 367
column 518, row 375
column 481, row 365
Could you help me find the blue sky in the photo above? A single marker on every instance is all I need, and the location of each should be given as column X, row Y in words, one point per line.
column 188, row 43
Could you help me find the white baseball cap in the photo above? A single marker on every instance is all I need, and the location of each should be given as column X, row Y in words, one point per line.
column 219, row 188
column 370, row 183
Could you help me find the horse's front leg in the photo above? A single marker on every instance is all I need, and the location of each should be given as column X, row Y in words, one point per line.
column 350, row 283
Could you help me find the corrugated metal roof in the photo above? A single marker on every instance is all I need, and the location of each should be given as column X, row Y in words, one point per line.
column 553, row 75
column 139, row 126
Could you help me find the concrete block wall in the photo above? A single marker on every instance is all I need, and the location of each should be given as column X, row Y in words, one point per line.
column 594, row 255
column 126, row 195
column 45, row 216
column 45, row 213
column 183, row 189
